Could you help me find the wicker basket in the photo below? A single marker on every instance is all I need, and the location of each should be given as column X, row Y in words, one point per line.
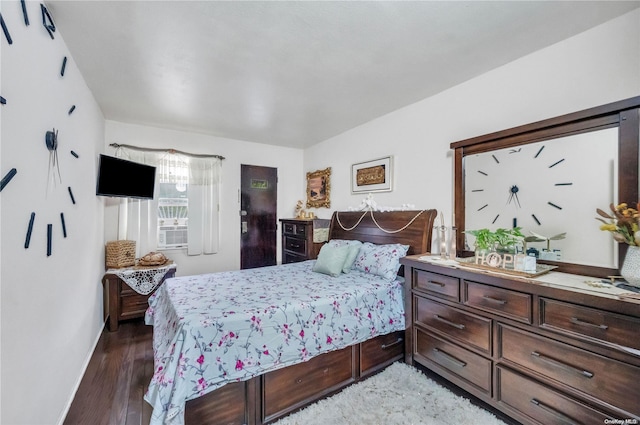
column 120, row 254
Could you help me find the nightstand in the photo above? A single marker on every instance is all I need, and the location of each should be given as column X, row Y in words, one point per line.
column 298, row 242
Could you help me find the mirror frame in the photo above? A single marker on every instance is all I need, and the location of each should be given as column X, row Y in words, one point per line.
column 624, row 115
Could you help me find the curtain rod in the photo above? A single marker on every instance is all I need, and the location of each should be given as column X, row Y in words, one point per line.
column 117, row 145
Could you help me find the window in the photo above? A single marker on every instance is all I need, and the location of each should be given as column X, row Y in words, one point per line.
column 185, row 210
column 173, row 204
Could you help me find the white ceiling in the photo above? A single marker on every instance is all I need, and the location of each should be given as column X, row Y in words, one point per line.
column 297, row 73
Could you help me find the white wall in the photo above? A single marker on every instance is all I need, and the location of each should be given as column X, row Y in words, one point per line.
column 288, row 161
column 51, row 307
column 596, row 67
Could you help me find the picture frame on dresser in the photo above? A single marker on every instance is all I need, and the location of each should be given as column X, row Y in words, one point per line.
column 375, row 175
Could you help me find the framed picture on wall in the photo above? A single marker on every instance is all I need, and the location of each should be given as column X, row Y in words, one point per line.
column 319, row 188
column 372, row 176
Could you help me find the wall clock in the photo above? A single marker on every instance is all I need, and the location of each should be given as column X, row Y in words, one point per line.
column 518, row 187
column 46, row 225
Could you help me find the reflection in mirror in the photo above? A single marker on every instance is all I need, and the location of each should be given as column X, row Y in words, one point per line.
column 548, row 188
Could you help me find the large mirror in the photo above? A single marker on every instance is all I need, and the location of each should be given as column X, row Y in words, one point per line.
column 548, row 178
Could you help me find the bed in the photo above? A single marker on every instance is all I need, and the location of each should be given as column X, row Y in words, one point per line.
column 251, row 346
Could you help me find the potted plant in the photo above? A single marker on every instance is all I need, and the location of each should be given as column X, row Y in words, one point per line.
column 503, row 240
column 624, row 224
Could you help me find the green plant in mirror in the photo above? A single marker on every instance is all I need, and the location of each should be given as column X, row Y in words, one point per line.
column 498, row 239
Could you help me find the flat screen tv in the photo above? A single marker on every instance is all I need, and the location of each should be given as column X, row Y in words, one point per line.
column 122, row 178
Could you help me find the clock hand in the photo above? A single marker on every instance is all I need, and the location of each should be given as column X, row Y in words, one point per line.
column 517, row 199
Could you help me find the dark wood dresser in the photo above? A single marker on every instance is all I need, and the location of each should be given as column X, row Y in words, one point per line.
column 544, row 351
column 123, row 302
column 297, row 239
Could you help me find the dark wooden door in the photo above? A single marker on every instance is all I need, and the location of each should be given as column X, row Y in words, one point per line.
column 258, row 218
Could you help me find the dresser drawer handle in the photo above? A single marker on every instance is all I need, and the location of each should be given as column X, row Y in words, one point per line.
column 554, row 412
column 562, row 365
column 445, row 321
column 385, row 346
column 299, row 381
column 440, row 284
column 295, row 245
column 449, row 357
column 494, row 300
column 577, row 321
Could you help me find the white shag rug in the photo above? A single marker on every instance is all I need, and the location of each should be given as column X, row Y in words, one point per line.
column 399, row 395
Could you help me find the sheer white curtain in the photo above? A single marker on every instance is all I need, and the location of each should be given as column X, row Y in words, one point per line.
column 139, row 218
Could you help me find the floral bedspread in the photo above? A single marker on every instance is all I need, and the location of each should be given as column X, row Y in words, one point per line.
column 231, row 326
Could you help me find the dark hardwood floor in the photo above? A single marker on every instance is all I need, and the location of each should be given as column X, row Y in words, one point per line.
column 116, row 379
column 112, row 389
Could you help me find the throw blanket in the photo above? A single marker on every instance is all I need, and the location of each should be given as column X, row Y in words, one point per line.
column 223, row 327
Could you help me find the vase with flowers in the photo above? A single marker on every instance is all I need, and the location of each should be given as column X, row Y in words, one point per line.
column 623, row 222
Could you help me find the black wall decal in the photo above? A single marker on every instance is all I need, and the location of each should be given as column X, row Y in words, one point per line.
column 7, row 178
column 73, row 108
column 24, row 12
column 49, row 236
column 74, row 154
column 71, row 195
column 64, row 65
column 29, row 230
column 5, row 30
column 64, row 227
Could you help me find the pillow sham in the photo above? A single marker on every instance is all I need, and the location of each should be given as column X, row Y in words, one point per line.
column 331, row 260
column 354, row 249
column 380, row 260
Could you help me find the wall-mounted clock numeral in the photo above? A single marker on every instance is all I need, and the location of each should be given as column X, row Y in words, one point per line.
column 556, row 163
column 74, row 154
column 47, row 22
column 3, row 100
column 515, row 222
column 73, row 108
column 49, row 239
column 24, row 12
column 563, row 184
column 495, row 219
column 536, row 219
column 5, row 30
column 554, row 205
column 478, row 190
column 539, row 150
column 64, row 66
column 483, row 173
column 27, row 240
column 71, row 195
column 496, row 159
column 483, row 207
column 515, row 150
column 64, row 226
column 7, row 178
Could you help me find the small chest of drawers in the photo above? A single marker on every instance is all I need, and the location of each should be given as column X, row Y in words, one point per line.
column 298, row 243
column 540, row 353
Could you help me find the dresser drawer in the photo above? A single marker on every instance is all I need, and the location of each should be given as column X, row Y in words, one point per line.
column 436, row 284
column 132, row 304
column 542, row 404
column 294, row 229
column 378, row 352
column 606, row 379
column 296, row 245
column 288, row 388
column 590, row 323
column 470, row 367
column 504, row 302
column 465, row 327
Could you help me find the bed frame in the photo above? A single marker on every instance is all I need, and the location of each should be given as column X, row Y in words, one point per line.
column 269, row 397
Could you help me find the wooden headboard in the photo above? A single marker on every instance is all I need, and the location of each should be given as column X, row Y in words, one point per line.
column 382, row 227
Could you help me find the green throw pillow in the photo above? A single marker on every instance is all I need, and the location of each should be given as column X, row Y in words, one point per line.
column 351, row 258
column 331, row 260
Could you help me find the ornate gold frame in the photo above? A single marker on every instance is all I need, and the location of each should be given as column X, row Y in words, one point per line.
column 319, row 188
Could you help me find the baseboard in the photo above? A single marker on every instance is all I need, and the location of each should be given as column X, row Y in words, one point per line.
column 65, row 411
